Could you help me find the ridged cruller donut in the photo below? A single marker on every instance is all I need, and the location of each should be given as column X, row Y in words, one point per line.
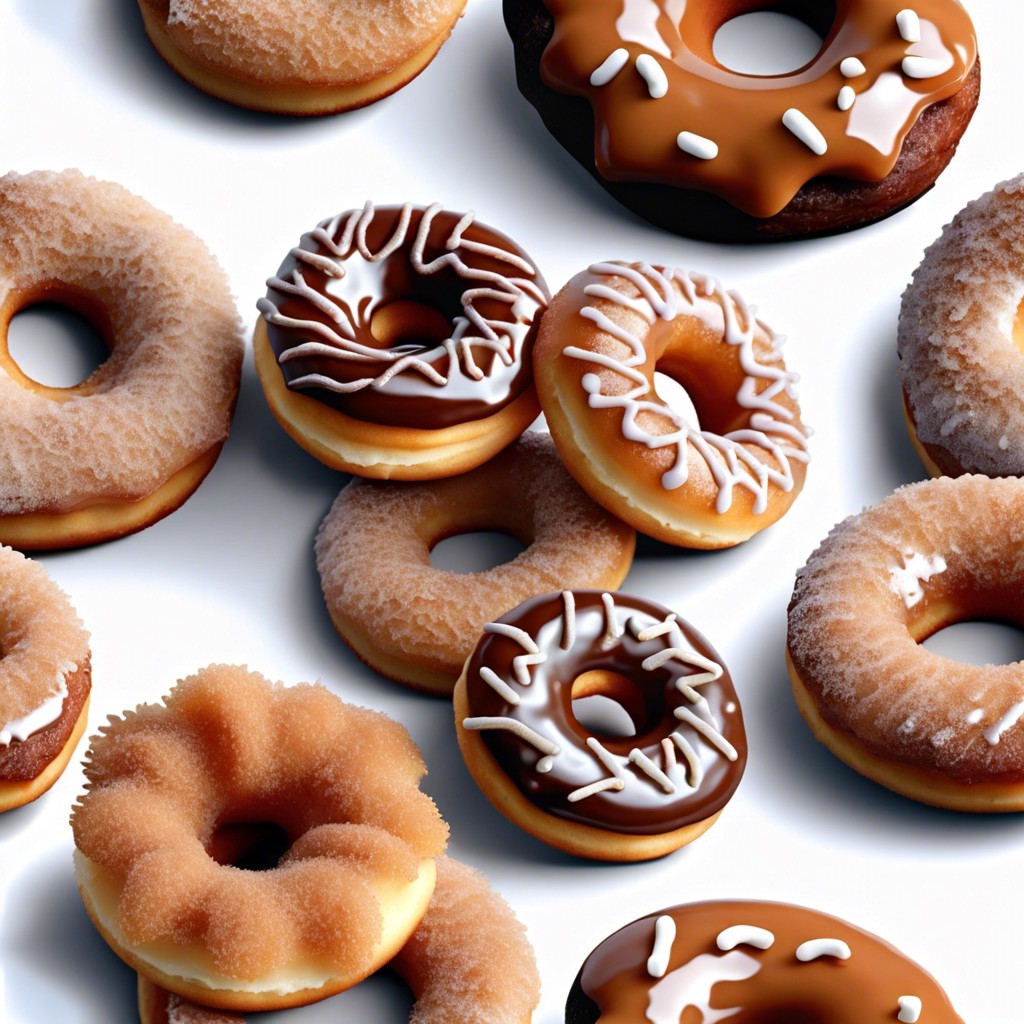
column 253, row 846
column 45, row 679
column 133, row 440
column 960, row 341
column 417, row 624
column 927, row 726
column 468, row 962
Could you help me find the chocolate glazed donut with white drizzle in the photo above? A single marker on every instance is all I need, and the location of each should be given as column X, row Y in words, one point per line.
column 608, row 797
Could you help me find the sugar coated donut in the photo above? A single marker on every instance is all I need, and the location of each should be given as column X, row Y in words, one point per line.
column 606, row 796
column 468, row 962
column 133, row 440
column 44, row 680
column 706, row 485
column 252, row 846
column 932, row 728
column 633, row 90
column 373, row 554
column 299, row 56
column 752, row 961
column 396, row 342
column 960, row 342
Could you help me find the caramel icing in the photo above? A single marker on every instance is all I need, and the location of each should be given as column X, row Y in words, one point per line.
column 666, row 111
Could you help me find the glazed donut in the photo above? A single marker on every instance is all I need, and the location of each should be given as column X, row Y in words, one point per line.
column 317, row 803
column 961, row 362
column 299, row 56
column 710, row 485
column 762, row 961
column 133, row 440
column 45, row 679
column 396, row 342
column 468, row 962
column 634, row 92
column 929, row 727
column 605, row 796
column 373, row 552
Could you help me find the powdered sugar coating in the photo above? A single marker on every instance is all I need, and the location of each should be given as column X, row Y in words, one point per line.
column 850, row 632
column 165, row 395
column 961, row 369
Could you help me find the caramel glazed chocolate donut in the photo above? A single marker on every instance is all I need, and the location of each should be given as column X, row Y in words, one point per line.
column 632, row 89
column 748, row 962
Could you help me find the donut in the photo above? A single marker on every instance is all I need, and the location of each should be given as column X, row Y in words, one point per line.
column 596, row 792
column 634, row 92
column 961, row 362
column 299, row 57
column 252, row 846
column 395, row 342
column 747, row 960
column 416, row 624
column 45, row 678
column 710, row 484
column 927, row 726
column 131, row 442
column 468, row 962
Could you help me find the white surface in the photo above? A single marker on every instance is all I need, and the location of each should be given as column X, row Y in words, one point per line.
column 230, row 576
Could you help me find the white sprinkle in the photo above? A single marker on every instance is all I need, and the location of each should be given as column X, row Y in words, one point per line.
column 975, row 716
column 664, row 936
column 545, row 764
column 815, row 948
column 568, row 619
column 496, row 683
column 520, row 636
column 524, row 732
column 852, row 67
column 645, row 633
column 846, row 97
column 709, row 732
column 909, row 25
column 612, row 65
column 744, row 935
column 910, row 1009
column 692, row 760
column 648, row 767
column 995, row 732
column 653, row 74
column 924, row 67
column 697, row 145
column 805, row 130
column 611, row 628
column 604, row 757
column 1004, row 443
column 594, row 788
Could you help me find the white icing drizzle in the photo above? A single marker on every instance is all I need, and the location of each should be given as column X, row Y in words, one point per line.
column 805, row 130
column 846, row 98
column 994, row 733
column 906, row 579
column 814, row 949
column 524, row 732
column 697, row 145
column 852, row 67
column 909, row 25
column 568, row 620
column 664, row 937
column 666, row 294
column 496, row 683
column 909, row 1009
column 39, row 717
column 692, row 984
column 610, row 67
column 744, row 935
column 653, row 74
column 708, row 731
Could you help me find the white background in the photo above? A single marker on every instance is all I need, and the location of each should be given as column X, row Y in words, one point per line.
column 230, row 576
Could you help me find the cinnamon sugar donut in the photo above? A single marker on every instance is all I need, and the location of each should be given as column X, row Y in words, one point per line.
column 468, row 962
column 252, row 846
column 960, row 343
column 45, row 679
column 927, row 726
column 133, row 440
column 706, row 485
column 417, row 624
column 299, row 56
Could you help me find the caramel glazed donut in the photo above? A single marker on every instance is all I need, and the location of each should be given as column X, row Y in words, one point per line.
column 396, row 342
column 45, row 679
column 468, row 962
column 299, row 56
column 960, row 345
column 632, row 89
column 319, row 800
column 929, row 727
column 133, row 440
column 710, row 484
column 609, row 797
column 747, row 962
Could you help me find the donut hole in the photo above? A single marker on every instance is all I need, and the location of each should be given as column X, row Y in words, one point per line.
column 55, row 345
column 608, row 705
column 979, row 642
column 249, row 845
column 408, row 324
column 477, row 551
column 770, row 39
column 702, row 389
column 677, row 398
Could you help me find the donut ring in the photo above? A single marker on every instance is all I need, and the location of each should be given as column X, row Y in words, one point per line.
column 762, row 960
column 468, row 962
column 606, row 334
column 609, row 797
column 929, row 727
column 132, row 441
column 45, row 678
column 395, row 342
column 373, row 552
column 636, row 95
column 297, row 56
column 961, row 362
column 182, row 795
